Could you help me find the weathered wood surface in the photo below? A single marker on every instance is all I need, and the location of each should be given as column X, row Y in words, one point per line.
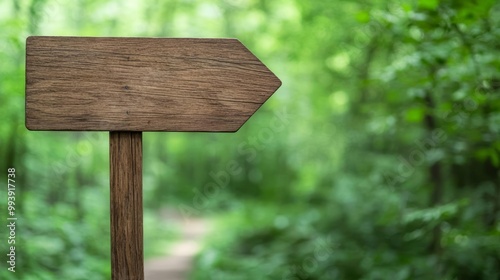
column 142, row 84
column 125, row 153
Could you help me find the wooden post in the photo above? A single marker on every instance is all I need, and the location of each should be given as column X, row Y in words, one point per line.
column 125, row 158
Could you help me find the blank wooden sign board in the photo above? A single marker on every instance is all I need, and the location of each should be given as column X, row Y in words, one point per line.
column 130, row 85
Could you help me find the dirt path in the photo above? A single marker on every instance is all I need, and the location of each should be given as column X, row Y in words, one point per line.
column 177, row 265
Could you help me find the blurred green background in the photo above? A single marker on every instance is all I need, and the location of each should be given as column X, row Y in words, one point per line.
column 378, row 158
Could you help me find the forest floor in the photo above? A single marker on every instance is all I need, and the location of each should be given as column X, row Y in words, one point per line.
column 178, row 263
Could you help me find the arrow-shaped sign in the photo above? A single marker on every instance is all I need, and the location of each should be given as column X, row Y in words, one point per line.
column 143, row 84
column 130, row 85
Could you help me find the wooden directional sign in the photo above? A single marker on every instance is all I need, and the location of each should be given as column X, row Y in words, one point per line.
column 143, row 84
column 130, row 85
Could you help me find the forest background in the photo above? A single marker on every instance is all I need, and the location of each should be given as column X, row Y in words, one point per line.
column 378, row 158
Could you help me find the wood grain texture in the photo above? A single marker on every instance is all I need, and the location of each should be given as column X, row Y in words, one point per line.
column 142, row 84
column 127, row 257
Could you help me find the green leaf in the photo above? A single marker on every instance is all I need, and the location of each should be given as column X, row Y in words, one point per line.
column 363, row 16
column 428, row 4
column 495, row 160
column 415, row 114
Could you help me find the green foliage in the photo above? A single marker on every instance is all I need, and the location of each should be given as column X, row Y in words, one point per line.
column 377, row 159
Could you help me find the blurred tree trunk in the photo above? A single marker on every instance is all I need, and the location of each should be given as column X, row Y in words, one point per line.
column 435, row 169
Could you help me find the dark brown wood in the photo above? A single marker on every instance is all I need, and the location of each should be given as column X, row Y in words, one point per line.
column 142, row 84
column 125, row 156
